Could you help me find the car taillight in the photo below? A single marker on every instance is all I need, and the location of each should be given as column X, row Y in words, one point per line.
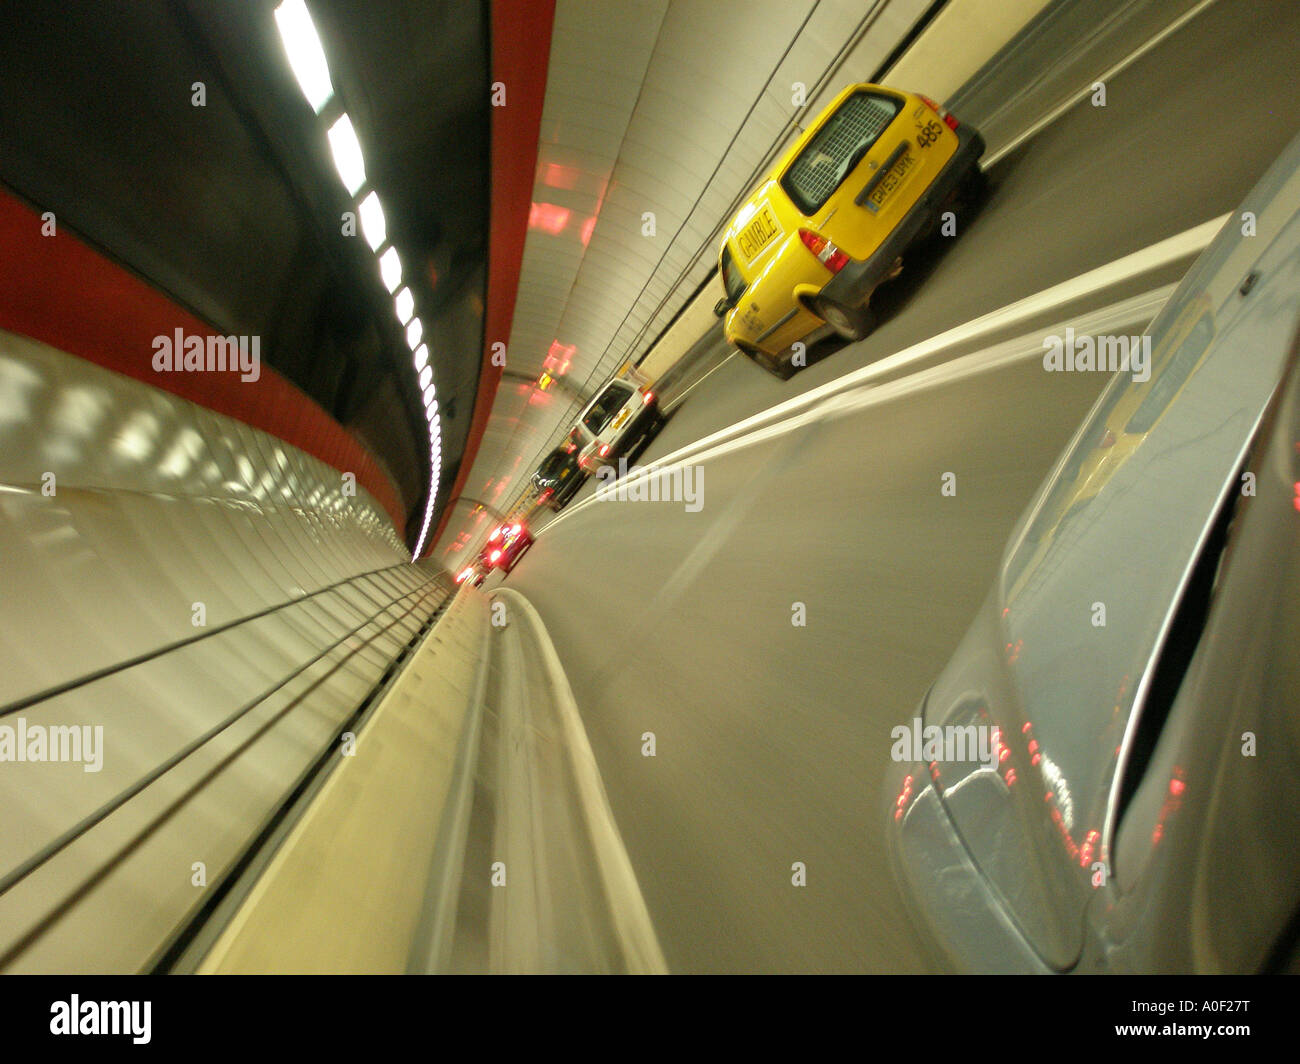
column 514, row 530
column 649, row 396
column 494, row 555
column 949, row 120
column 604, row 449
column 827, row 253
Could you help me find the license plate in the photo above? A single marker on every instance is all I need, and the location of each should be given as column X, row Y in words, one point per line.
column 618, row 421
column 564, row 473
column 890, row 182
column 759, row 233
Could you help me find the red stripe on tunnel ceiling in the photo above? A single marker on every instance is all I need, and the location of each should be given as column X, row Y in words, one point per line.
column 521, row 49
column 59, row 291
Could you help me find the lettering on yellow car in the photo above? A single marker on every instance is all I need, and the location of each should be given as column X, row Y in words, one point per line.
column 927, row 134
column 758, row 234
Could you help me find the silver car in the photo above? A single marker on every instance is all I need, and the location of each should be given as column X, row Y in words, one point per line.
column 1125, row 794
column 619, row 417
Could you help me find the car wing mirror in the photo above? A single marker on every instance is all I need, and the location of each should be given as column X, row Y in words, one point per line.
column 721, row 306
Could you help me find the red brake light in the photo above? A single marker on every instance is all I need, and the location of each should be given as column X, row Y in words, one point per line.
column 827, row 253
column 495, row 555
column 949, row 120
column 649, row 397
column 496, row 535
column 604, row 449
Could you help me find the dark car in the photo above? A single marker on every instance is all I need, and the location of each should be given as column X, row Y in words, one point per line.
column 558, row 478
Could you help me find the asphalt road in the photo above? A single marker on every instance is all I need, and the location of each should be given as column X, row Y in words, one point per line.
column 772, row 738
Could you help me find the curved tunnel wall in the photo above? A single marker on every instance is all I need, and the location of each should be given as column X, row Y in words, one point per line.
column 206, row 607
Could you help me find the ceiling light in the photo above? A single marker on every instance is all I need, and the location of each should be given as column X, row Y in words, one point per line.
column 413, row 333
column 405, row 305
column 346, row 150
column 372, row 221
column 390, row 269
column 426, row 377
column 421, row 357
column 306, row 56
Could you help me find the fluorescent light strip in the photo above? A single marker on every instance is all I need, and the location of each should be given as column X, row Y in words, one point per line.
column 303, row 49
column 424, row 532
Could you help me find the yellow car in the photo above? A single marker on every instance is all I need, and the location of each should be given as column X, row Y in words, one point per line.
column 832, row 219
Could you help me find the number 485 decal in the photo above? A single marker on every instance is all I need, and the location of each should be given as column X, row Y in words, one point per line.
column 928, row 134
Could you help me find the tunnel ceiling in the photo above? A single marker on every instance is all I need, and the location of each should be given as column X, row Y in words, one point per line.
column 669, row 108
column 234, row 208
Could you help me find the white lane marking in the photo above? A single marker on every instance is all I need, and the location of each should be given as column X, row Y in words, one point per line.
column 1162, row 253
column 1020, row 349
column 631, row 918
column 1051, row 116
column 682, row 398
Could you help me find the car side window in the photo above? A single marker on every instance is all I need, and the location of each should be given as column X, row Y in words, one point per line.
column 732, row 281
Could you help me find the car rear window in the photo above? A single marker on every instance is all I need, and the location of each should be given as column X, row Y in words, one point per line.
column 835, row 149
column 603, row 409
